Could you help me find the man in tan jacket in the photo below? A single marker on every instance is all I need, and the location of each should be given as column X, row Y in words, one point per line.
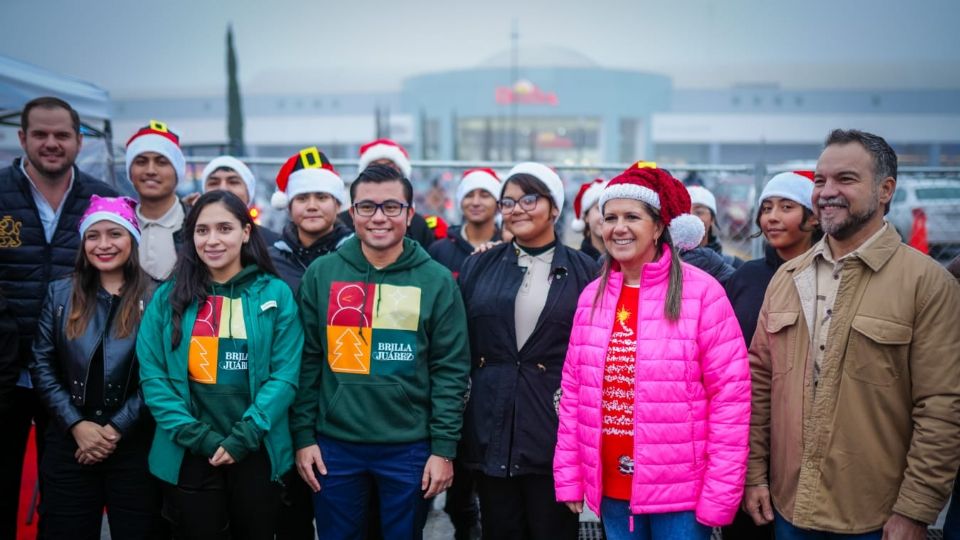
column 856, row 368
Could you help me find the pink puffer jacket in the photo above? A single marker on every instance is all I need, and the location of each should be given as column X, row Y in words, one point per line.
column 691, row 399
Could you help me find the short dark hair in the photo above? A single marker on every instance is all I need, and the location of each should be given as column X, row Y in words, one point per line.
column 379, row 174
column 884, row 158
column 530, row 185
column 48, row 102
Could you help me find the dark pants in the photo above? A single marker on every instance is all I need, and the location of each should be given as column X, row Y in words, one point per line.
column 523, row 508
column 461, row 503
column 13, row 444
column 75, row 495
column 396, row 469
column 296, row 509
column 743, row 528
column 787, row 531
column 951, row 525
column 229, row 502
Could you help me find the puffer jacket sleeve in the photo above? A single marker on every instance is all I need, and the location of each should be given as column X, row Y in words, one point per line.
column 567, row 477
column 726, row 378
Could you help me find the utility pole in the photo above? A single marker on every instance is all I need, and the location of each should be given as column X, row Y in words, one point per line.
column 514, row 77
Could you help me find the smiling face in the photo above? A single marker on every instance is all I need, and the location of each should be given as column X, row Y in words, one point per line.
column 228, row 180
column 847, row 196
column 153, row 176
column 530, row 227
column 107, row 246
column 380, row 232
column 219, row 237
column 314, row 213
column 783, row 224
column 630, row 232
column 50, row 142
column 594, row 221
column 478, row 206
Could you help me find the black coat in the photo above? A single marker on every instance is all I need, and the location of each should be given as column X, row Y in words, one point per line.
column 746, row 288
column 510, row 423
column 9, row 367
column 292, row 259
column 710, row 262
column 453, row 250
column 60, row 367
column 27, row 262
column 586, row 246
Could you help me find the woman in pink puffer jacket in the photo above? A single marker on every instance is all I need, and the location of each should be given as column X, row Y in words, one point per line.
column 655, row 408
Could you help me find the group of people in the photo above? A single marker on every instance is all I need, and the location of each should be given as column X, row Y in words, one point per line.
column 199, row 376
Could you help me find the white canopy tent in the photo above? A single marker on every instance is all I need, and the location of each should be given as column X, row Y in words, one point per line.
column 20, row 82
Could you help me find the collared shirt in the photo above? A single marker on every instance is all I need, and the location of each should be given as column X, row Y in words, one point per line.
column 158, row 253
column 829, row 275
column 532, row 295
column 49, row 216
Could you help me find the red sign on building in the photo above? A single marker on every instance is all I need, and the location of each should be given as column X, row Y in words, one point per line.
column 524, row 92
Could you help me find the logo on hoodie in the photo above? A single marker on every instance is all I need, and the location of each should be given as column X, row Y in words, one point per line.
column 218, row 343
column 372, row 328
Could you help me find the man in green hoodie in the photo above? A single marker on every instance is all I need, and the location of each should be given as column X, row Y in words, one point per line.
column 384, row 372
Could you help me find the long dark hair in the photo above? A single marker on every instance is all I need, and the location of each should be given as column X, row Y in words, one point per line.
column 671, row 308
column 191, row 276
column 86, row 283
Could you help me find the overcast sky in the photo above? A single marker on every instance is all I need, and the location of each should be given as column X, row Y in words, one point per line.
column 177, row 47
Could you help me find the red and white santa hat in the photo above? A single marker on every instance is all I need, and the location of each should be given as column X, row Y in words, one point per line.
column 794, row 185
column 656, row 187
column 307, row 171
column 157, row 137
column 545, row 174
column 588, row 196
column 385, row 149
column 485, row 179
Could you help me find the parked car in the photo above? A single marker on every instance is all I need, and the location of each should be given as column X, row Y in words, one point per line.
column 939, row 198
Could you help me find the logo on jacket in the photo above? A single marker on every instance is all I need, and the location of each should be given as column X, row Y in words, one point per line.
column 218, row 352
column 372, row 325
column 10, row 232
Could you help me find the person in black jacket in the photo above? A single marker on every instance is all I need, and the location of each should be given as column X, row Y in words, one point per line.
column 520, row 299
column 688, row 243
column 85, row 370
column 41, row 199
column 476, row 195
column 311, row 190
column 705, row 208
column 785, row 218
column 9, row 369
column 588, row 219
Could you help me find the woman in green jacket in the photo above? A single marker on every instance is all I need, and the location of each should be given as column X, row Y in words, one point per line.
column 219, row 350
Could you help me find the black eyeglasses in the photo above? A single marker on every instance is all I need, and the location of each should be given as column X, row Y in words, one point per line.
column 389, row 208
column 527, row 202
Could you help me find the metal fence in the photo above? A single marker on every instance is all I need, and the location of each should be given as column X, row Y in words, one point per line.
column 933, row 190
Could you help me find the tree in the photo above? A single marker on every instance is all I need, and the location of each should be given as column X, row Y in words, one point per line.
column 234, row 107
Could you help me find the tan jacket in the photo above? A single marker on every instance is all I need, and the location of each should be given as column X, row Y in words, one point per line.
column 881, row 433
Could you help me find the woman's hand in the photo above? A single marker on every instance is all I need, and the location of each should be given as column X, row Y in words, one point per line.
column 486, row 246
column 94, row 442
column 575, row 507
column 222, row 457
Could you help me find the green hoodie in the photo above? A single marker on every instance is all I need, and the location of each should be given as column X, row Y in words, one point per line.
column 188, row 422
column 386, row 356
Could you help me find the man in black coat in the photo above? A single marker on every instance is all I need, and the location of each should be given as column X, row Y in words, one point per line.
column 42, row 197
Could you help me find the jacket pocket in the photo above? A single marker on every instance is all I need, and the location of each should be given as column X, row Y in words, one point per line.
column 877, row 350
column 781, row 328
column 356, row 407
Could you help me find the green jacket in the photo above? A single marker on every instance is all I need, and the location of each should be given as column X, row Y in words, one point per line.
column 386, row 356
column 275, row 343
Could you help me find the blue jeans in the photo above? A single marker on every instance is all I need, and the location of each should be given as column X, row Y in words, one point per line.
column 784, row 530
column 616, row 516
column 341, row 505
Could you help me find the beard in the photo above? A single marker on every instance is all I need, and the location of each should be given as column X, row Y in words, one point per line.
column 49, row 172
column 853, row 223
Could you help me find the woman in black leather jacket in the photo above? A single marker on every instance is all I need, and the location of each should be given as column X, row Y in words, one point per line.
column 85, row 370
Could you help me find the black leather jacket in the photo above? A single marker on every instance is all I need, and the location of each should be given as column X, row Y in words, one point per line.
column 60, row 366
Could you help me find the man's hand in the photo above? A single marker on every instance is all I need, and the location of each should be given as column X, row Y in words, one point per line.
column 756, row 503
column 222, row 457
column 94, row 441
column 309, row 458
column 486, row 246
column 437, row 476
column 575, row 507
column 903, row 528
